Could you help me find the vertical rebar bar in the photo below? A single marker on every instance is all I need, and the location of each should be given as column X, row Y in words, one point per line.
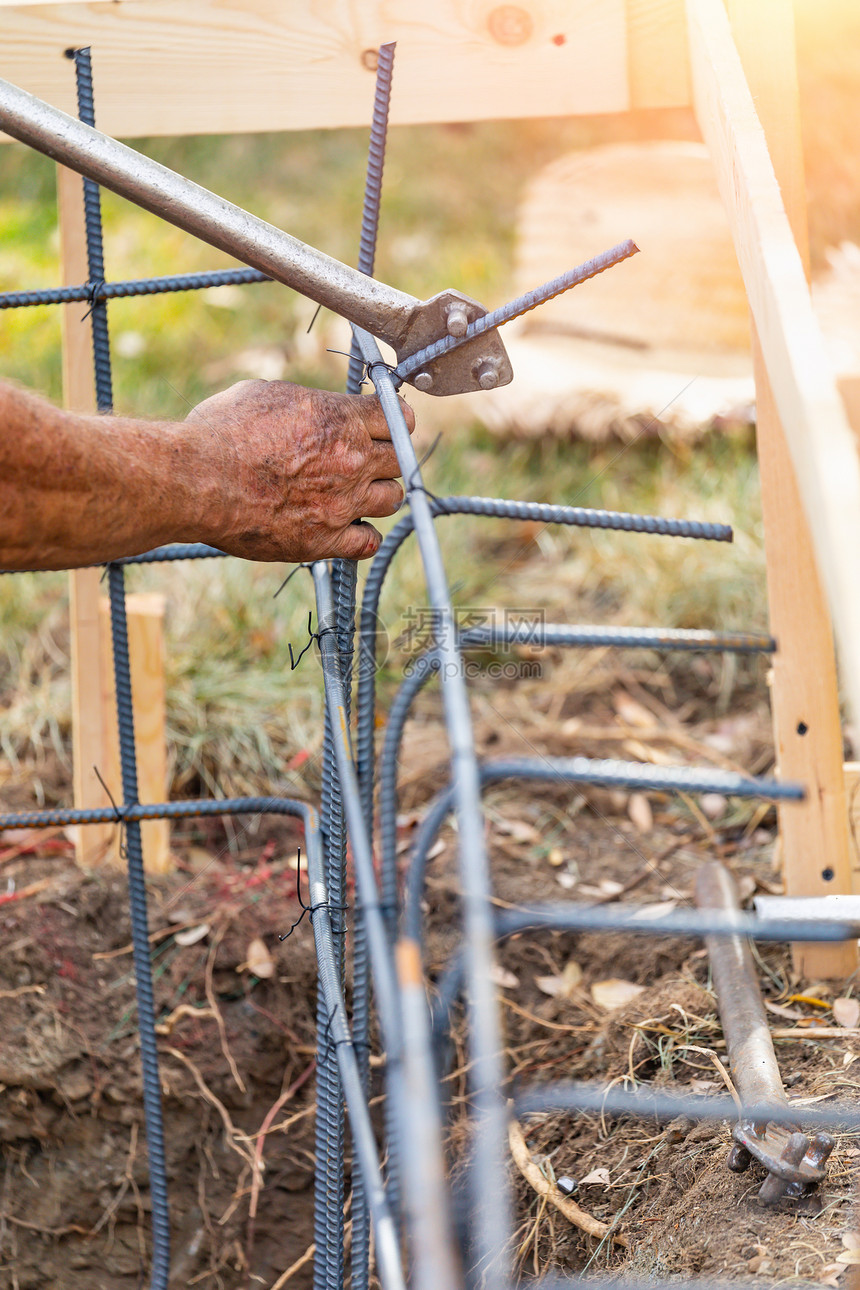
column 345, row 605
column 125, row 720
column 489, row 1192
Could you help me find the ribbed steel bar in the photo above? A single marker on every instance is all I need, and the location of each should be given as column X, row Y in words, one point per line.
column 160, row 1221
column 516, row 308
column 159, row 555
column 488, row 507
column 341, row 1042
column 576, row 917
column 412, row 1118
column 95, row 247
column 194, row 808
column 609, row 773
column 538, row 635
column 573, row 1098
column 97, row 290
column 488, row 1192
column 345, row 597
column 329, row 1184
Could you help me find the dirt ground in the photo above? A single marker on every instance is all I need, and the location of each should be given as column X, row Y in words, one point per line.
column 237, row 1045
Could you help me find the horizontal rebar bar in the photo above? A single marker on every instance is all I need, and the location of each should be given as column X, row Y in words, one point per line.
column 521, row 305
column 576, row 917
column 576, row 770
column 573, row 1098
column 528, row 632
column 93, row 291
column 677, row 922
column 63, row 815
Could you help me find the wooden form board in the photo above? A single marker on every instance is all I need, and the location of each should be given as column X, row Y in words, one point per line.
column 167, row 67
column 145, row 619
column 802, row 416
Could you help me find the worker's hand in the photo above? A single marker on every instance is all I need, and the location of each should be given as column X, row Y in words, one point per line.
column 293, row 468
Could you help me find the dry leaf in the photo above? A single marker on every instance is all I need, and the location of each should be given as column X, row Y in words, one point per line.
column 746, row 885
column 600, row 1176
column 639, row 810
column 519, row 830
column 630, row 711
column 192, row 935
column 779, row 1011
column 198, row 858
column 258, row 960
column 848, row 1256
column 609, row 887
column 503, row 978
column 564, row 985
column 657, row 910
column 713, row 805
column 846, row 1012
column 614, row 993
column 851, row 1240
column 436, row 850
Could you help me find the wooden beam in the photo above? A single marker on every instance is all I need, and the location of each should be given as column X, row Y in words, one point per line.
column 145, row 618
column 201, row 67
column 93, row 843
column 658, row 56
column 809, row 462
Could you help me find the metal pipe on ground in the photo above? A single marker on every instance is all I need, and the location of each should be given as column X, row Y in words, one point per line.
column 795, row 1162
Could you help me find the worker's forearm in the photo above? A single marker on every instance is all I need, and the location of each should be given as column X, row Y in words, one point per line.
column 266, row 470
column 78, row 489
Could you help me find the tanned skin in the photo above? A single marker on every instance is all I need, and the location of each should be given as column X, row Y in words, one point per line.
column 266, row 470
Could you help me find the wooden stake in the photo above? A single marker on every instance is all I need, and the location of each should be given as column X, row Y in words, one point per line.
column 805, row 697
column 94, row 841
column 145, row 617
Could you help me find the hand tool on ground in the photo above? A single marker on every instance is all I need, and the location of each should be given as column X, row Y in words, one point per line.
column 795, row 1163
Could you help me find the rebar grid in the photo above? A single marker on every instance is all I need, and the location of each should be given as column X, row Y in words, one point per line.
column 417, row 1234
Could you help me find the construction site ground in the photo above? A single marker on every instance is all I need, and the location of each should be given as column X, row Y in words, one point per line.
column 236, row 1011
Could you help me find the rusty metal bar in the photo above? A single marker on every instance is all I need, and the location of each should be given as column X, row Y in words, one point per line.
column 794, row 1162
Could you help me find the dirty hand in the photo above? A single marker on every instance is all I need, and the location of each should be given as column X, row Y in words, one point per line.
column 286, row 470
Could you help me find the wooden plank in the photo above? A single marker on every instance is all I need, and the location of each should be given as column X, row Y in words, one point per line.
column 658, row 54
column 145, row 618
column 93, row 843
column 809, row 749
column 222, row 66
column 852, row 789
column 800, row 413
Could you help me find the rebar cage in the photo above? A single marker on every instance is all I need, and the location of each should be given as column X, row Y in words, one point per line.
column 408, row 1204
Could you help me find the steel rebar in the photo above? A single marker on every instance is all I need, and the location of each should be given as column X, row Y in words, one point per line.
column 345, row 609
column 488, row 1190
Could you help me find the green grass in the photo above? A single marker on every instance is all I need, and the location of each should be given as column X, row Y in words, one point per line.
column 237, row 715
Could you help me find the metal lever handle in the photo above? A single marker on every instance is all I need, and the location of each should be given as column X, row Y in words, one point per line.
column 402, row 321
column 794, row 1162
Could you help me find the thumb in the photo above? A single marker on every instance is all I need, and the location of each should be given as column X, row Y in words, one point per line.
column 358, row 541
